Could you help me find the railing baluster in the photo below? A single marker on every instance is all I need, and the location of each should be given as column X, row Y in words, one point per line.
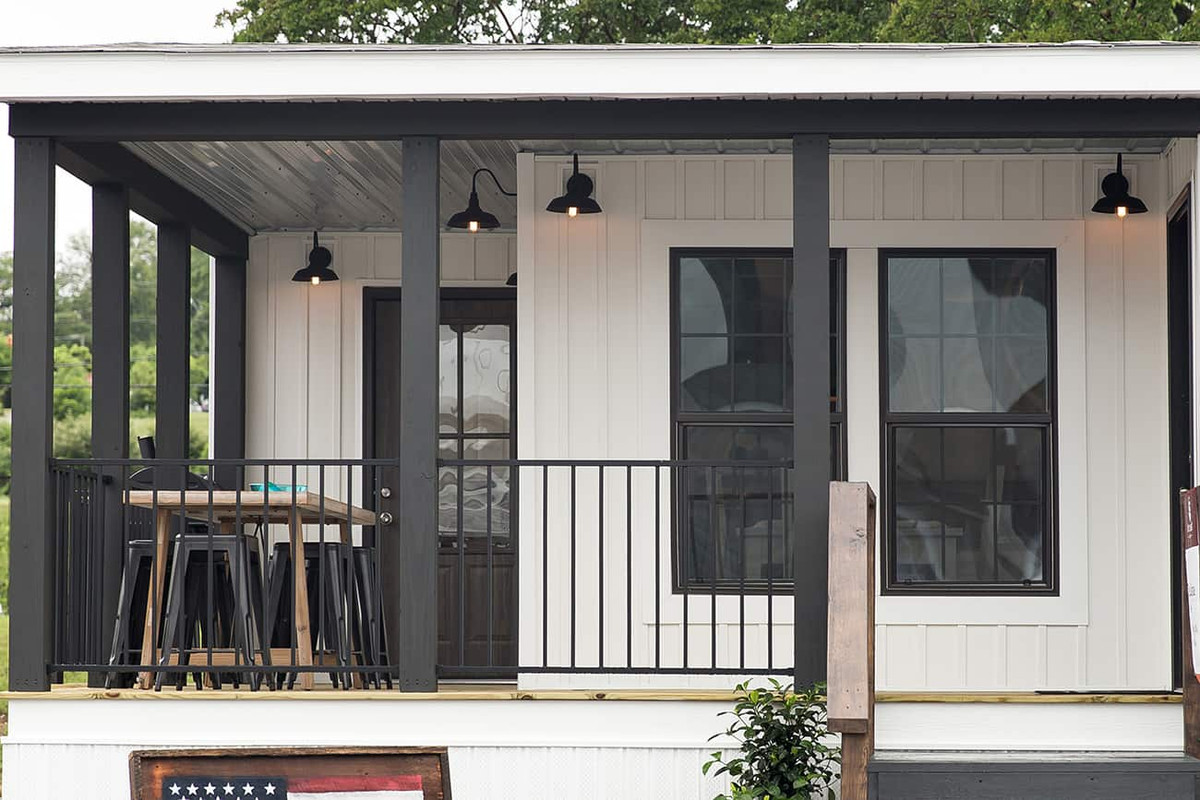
column 628, row 566
column 713, row 528
column 658, row 565
column 490, row 574
column 462, row 574
column 545, row 566
column 742, row 574
column 771, row 571
column 573, row 566
column 600, row 568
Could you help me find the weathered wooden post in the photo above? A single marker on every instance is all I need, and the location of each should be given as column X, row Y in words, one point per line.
column 851, row 653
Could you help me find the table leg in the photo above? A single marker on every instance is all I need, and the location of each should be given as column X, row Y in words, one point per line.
column 154, row 599
column 304, row 651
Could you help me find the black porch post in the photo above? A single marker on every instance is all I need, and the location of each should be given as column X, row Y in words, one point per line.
column 172, row 354
column 227, row 388
column 31, row 563
column 810, row 403
column 410, row 552
column 110, row 380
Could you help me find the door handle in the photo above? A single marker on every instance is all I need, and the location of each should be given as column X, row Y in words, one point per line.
column 385, row 518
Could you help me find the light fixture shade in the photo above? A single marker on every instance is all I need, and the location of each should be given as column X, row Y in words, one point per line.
column 1115, row 187
column 473, row 213
column 578, row 196
column 317, row 271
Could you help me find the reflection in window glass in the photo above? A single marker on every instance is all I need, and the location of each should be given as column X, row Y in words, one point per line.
column 969, row 335
column 734, row 384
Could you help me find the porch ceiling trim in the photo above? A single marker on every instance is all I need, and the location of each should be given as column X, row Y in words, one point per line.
column 614, row 119
column 155, row 196
column 262, row 72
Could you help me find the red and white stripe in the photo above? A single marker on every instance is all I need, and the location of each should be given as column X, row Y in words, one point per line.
column 354, row 787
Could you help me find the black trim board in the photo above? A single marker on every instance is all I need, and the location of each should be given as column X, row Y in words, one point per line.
column 602, row 118
column 1047, row 420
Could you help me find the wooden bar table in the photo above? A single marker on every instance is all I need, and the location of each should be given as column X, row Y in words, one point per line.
column 228, row 509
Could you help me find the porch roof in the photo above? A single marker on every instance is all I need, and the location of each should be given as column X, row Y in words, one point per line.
column 173, row 72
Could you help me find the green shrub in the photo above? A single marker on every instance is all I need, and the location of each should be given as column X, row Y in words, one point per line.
column 783, row 754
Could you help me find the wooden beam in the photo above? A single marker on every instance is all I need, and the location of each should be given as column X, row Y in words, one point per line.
column 408, row 552
column 110, row 382
column 851, row 689
column 173, row 333
column 31, row 560
column 810, row 401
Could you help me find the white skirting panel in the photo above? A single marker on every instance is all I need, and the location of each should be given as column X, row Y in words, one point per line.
column 565, row 749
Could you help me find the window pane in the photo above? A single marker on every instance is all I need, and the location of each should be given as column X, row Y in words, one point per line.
column 475, row 489
column 762, row 374
column 968, row 308
column 448, row 489
column 1021, row 291
column 1021, row 369
column 760, row 293
column 970, row 507
column 913, row 296
column 486, row 377
column 705, row 295
column 706, row 378
column 967, row 367
column 915, row 374
column 447, row 380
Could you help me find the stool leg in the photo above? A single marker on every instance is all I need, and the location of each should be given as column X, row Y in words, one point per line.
column 175, row 596
column 133, row 565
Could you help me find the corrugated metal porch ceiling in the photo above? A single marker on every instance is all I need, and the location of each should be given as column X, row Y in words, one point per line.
column 355, row 185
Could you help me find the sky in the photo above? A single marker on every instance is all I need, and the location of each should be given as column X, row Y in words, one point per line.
column 75, row 22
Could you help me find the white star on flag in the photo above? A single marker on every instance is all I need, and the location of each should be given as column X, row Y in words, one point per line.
column 193, row 788
column 175, row 788
column 228, row 788
column 210, row 789
column 247, row 789
column 270, row 787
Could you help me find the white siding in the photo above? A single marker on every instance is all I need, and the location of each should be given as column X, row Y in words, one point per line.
column 594, row 368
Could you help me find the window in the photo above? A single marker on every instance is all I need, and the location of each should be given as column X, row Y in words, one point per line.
column 731, row 374
column 967, row 358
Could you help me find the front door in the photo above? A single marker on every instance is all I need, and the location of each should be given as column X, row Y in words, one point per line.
column 477, row 592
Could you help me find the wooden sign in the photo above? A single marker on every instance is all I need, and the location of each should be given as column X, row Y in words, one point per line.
column 345, row 773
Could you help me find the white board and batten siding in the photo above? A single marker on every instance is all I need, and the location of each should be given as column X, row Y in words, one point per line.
column 304, row 344
column 593, row 373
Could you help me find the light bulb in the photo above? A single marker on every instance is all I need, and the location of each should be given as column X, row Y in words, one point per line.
column 316, row 280
column 572, row 211
column 1122, row 211
column 473, row 226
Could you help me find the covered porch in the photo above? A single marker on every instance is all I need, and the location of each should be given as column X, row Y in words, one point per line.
column 554, row 528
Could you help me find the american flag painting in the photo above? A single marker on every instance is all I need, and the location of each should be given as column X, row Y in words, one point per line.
column 326, row 787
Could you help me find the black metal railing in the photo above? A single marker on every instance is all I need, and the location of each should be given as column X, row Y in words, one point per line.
column 174, row 568
column 166, row 568
column 645, row 566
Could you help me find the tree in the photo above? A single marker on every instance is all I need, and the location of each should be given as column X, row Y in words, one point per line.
column 707, row 21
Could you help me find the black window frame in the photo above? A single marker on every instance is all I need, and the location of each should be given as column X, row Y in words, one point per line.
column 1046, row 421
column 681, row 420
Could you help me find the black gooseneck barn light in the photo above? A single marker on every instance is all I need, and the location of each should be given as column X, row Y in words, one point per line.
column 1117, row 199
column 474, row 218
column 578, row 199
column 319, row 259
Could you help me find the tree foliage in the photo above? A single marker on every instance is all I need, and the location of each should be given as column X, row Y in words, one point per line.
column 707, row 21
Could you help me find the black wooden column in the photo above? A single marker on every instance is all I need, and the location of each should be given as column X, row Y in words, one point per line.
column 228, row 382
column 110, row 382
column 409, row 550
column 173, row 353
column 31, row 560
column 810, row 401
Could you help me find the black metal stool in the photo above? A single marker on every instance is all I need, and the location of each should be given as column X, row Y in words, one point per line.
column 332, row 617
column 233, row 621
column 369, row 609
column 131, row 611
